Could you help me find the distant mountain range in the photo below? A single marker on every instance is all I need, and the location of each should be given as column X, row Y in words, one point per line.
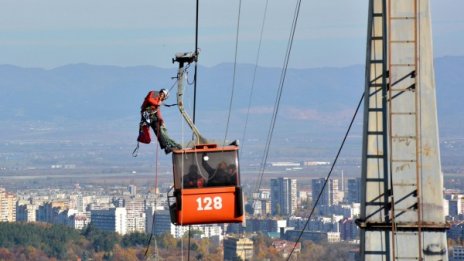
column 83, row 101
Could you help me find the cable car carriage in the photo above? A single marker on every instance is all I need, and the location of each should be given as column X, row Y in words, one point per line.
column 206, row 185
column 206, row 176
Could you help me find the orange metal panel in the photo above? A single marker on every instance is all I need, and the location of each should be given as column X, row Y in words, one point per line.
column 208, row 205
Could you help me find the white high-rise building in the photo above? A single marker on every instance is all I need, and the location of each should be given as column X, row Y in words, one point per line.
column 7, row 206
column 206, row 230
column 80, row 206
column 113, row 219
column 261, row 207
column 283, row 196
column 330, row 195
column 136, row 217
column 78, row 221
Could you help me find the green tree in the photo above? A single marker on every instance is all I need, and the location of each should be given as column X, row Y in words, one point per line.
column 101, row 240
column 134, row 239
column 51, row 239
column 167, row 241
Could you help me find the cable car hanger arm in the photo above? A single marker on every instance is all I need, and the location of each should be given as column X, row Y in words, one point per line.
column 182, row 58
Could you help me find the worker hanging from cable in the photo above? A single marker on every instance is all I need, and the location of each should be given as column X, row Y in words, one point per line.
column 151, row 115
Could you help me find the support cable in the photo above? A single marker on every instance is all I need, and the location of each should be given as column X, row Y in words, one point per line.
column 196, row 64
column 254, row 75
column 194, row 98
column 328, row 176
column 279, row 94
column 194, row 110
column 253, row 84
column 182, row 122
column 156, row 201
column 235, row 69
column 172, row 86
column 156, row 185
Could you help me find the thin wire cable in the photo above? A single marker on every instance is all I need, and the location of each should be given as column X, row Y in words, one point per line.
column 174, row 84
column 253, row 82
column 279, row 93
column 328, row 175
column 235, row 69
column 156, row 183
column 182, row 185
column 194, row 100
column 156, row 203
column 188, row 252
column 250, row 98
column 196, row 62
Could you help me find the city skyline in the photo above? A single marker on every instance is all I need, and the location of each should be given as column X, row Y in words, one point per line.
column 332, row 223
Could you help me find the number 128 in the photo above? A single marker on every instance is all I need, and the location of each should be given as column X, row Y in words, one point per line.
column 208, row 203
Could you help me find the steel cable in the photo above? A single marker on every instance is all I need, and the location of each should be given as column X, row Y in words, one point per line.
column 279, row 94
column 156, row 203
column 328, row 176
column 250, row 97
column 234, row 72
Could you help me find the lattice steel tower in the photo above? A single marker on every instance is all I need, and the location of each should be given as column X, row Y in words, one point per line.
column 402, row 216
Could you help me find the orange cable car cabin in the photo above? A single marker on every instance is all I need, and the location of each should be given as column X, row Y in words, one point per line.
column 206, row 185
column 206, row 176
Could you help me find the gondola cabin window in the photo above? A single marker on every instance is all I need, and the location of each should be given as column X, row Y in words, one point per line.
column 203, row 168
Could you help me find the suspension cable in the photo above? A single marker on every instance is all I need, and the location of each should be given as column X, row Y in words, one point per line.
column 254, row 75
column 173, row 84
column 328, row 176
column 194, row 110
column 196, row 63
column 279, row 94
column 263, row 22
column 234, row 73
column 156, row 201
column 194, row 98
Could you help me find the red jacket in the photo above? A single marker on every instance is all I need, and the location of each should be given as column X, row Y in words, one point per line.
column 152, row 101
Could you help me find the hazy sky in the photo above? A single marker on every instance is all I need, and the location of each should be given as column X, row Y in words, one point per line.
column 50, row 33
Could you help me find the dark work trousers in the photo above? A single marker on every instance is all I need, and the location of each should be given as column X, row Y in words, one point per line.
column 162, row 134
